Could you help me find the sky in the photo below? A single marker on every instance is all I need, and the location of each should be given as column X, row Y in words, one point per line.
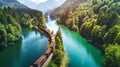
column 42, row 5
column 38, row 1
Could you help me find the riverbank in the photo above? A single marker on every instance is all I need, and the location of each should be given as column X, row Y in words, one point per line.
column 25, row 51
column 50, row 49
column 98, row 24
column 65, row 61
column 79, row 51
column 44, row 62
column 59, row 56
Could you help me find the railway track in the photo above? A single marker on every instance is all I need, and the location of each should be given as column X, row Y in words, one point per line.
column 40, row 61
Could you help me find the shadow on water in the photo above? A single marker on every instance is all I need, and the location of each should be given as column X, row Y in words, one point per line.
column 9, row 53
column 1, row 48
column 10, row 44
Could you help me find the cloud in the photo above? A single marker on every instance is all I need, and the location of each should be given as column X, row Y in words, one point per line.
column 38, row 1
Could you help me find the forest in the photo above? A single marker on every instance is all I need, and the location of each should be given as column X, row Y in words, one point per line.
column 99, row 22
column 58, row 53
column 13, row 20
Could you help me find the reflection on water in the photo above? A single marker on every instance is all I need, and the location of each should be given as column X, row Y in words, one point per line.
column 26, row 51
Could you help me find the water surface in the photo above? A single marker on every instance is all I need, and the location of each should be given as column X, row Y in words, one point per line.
column 26, row 51
column 79, row 51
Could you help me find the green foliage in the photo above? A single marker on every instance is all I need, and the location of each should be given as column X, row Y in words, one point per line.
column 57, row 57
column 59, row 42
column 26, row 20
column 117, row 38
column 31, row 17
column 111, row 34
column 87, row 27
column 98, row 21
column 3, row 34
column 11, row 21
column 108, row 18
column 9, row 27
column 112, row 56
column 58, row 53
column 94, row 19
column 97, row 34
column 51, row 64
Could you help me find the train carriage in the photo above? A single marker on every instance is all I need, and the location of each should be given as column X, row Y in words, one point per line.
column 40, row 61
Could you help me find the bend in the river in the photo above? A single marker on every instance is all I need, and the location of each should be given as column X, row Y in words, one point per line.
column 40, row 61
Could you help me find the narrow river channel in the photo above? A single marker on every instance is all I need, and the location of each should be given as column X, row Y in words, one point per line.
column 79, row 51
column 25, row 51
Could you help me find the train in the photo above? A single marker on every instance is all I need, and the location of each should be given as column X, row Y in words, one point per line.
column 49, row 50
column 40, row 61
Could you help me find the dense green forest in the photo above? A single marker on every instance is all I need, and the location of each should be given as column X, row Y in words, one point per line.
column 99, row 22
column 12, row 21
column 58, row 53
column 10, row 29
column 68, row 4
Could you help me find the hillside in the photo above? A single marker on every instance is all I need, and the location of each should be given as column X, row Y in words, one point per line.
column 12, row 3
column 69, row 4
column 99, row 22
column 42, row 6
column 13, row 18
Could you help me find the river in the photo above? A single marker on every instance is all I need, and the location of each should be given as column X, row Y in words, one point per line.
column 79, row 51
column 33, row 44
column 26, row 51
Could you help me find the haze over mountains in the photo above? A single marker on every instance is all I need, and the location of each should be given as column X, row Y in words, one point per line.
column 42, row 5
column 53, row 7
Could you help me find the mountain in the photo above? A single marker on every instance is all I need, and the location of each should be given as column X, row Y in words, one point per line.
column 12, row 3
column 67, row 5
column 42, row 6
column 50, row 4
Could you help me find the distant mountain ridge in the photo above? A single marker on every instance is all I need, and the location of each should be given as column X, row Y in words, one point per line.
column 9, row 0
column 67, row 5
column 43, row 6
column 12, row 3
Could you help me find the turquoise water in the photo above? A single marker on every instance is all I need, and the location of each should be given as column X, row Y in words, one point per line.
column 26, row 51
column 79, row 51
